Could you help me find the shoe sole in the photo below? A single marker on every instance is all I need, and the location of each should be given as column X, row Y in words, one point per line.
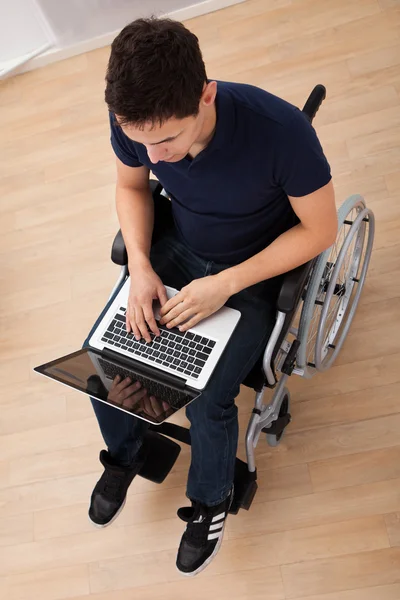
column 206, row 562
column 100, row 526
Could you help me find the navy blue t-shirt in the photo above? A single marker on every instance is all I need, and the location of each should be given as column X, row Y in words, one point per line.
column 231, row 200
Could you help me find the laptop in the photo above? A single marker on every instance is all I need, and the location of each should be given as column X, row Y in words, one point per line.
column 151, row 381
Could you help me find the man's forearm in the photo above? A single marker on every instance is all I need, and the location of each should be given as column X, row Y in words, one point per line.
column 135, row 209
column 290, row 250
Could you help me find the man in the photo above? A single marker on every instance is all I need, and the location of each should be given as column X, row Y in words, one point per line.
column 252, row 198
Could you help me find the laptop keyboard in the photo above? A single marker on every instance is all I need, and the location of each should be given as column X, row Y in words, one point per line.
column 175, row 398
column 183, row 352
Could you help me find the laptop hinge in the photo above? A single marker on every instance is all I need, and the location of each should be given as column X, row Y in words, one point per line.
column 156, row 374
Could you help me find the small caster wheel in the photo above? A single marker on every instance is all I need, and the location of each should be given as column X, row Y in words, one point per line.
column 274, row 439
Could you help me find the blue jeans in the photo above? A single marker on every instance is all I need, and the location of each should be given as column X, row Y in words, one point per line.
column 213, row 416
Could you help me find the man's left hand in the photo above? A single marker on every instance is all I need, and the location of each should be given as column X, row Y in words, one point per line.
column 196, row 301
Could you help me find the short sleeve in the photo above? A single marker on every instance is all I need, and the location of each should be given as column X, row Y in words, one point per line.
column 301, row 166
column 123, row 147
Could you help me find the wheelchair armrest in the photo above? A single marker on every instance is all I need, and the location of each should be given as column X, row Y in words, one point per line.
column 119, row 255
column 292, row 287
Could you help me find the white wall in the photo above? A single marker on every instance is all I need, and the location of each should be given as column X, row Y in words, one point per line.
column 23, row 33
column 79, row 20
column 76, row 26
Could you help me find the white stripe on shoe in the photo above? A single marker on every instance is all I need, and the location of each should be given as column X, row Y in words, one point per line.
column 216, row 526
column 218, row 517
column 214, row 536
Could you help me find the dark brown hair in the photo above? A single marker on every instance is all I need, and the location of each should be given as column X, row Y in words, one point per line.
column 155, row 72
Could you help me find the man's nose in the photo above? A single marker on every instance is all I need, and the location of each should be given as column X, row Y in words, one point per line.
column 155, row 154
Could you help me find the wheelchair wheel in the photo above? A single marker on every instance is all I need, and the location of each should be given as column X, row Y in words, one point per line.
column 274, row 440
column 335, row 287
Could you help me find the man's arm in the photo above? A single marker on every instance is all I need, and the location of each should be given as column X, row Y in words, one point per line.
column 316, row 231
column 135, row 209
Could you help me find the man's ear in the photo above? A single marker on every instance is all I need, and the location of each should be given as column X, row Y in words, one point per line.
column 209, row 93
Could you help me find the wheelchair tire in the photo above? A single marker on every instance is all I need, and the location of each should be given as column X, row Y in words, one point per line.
column 275, row 440
column 337, row 280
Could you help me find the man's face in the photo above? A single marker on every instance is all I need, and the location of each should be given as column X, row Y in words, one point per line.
column 169, row 142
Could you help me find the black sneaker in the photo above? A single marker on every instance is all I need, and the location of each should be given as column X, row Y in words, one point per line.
column 203, row 536
column 109, row 495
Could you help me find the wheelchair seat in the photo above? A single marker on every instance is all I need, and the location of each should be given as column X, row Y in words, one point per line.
column 304, row 350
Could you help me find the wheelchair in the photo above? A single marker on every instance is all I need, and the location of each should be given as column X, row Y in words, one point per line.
column 314, row 310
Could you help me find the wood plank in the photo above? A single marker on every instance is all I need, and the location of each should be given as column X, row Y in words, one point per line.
column 261, row 551
column 49, row 465
column 350, row 377
column 371, row 189
column 381, row 592
column 284, row 24
column 393, row 528
column 283, row 483
column 56, row 437
column 360, row 125
column 346, row 408
column 16, row 529
column 55, row 584
column 351, row 571
column 372, row 143
column 358, row 535
column 332, row 441
column 374, row 60
column 96, row 545
column 352, row 105
column 320, row 508
column 250, row 584
column 393, row 182
column 44, row 413
column 355, row 469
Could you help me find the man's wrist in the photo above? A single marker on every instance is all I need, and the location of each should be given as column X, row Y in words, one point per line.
column 138, row 261
column 229, row 279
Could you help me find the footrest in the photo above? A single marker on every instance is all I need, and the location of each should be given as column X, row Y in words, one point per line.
column 245, row 487
column 161, row 455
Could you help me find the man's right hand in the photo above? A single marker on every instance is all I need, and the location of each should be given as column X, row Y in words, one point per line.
column 146, row 286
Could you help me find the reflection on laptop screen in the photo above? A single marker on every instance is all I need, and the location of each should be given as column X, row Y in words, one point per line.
column 118, row 385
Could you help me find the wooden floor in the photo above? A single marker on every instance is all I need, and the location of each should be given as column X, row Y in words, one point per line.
column 325, row 524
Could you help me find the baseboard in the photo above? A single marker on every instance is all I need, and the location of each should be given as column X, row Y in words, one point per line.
column 57, row 54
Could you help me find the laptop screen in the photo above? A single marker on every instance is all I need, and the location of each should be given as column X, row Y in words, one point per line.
column 118, row 384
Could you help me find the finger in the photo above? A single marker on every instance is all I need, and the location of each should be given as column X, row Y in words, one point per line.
column 162, row 295
column 156, row 406
column 172, row 302
column 115, row 382
column 147, row 406
column 131, row 323
column 151, row 322
column 141, row 323
column 133, row 399
column 192, row 322
column 125, row 383
column 184, row 316
column 131, row 390
column 173, row 313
